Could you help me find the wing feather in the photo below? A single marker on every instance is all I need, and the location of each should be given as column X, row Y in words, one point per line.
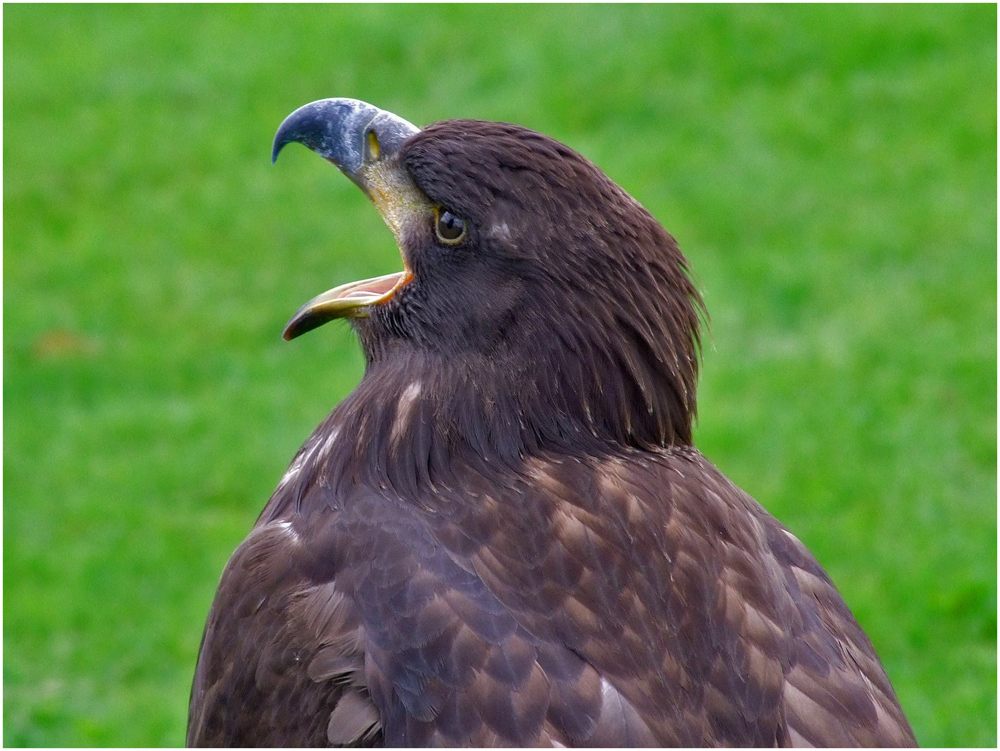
column 630, row 600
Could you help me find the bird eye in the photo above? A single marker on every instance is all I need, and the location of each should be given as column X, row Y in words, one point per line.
column 450, row 229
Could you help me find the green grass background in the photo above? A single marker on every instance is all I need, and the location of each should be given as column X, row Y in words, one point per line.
column 830, row 172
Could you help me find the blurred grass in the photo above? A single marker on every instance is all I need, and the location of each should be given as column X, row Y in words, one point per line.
column 830, row 172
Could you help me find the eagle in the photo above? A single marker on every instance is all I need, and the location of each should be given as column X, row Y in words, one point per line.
column 504, row 535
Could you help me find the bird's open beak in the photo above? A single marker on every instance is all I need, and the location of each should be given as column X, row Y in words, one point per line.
column 362, row 141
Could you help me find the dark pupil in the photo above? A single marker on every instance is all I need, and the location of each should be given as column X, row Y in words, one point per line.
column 450, row 226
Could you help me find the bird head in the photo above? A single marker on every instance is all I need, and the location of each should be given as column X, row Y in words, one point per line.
column 525, row 269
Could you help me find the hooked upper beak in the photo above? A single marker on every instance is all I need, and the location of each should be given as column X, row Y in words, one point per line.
column 362, row 141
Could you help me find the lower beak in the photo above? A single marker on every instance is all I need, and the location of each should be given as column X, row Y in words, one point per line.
column 351, row 300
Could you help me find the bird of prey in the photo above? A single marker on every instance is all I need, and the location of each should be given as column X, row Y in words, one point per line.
column 504, row 535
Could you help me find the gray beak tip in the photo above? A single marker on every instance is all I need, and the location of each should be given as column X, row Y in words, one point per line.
column 336, row 130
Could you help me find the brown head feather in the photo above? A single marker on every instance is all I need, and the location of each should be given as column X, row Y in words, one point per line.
column 566, row 320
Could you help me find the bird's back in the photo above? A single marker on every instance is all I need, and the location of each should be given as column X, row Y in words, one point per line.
column 634, row 599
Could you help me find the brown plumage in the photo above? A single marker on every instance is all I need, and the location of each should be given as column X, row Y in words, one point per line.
column 504, row 536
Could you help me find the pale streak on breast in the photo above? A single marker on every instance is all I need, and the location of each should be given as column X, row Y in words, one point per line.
column 286, row 528
column 296, row 467
column 328, row 443
column 404, row 411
